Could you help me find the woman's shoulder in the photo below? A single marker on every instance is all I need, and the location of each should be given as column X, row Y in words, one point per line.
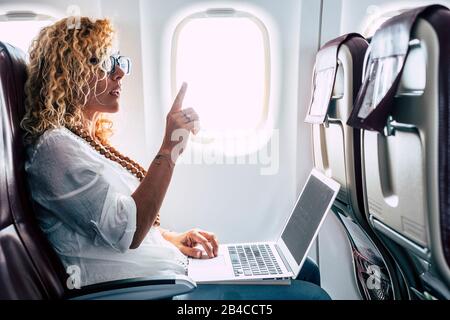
column 51, row 140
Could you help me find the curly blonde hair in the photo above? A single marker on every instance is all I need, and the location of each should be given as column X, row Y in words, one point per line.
column 62, row 60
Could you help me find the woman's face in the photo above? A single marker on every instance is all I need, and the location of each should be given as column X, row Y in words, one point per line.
column 104, row 97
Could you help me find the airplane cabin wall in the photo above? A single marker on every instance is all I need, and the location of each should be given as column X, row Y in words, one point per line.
column 235, row 201
column 53, row 7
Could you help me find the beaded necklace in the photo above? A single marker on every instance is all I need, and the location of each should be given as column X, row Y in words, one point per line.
column 111, row 153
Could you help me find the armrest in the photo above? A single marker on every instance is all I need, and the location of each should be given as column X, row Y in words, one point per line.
column 146, row 288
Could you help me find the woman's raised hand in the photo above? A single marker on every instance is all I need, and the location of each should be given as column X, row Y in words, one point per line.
column 179, row 124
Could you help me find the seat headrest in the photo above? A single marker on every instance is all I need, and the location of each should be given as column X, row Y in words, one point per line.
column 389, row 48
column 13, row 75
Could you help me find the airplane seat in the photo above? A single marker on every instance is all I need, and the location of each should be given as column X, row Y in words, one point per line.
column 29, row 267
column 403, row 107
column 26, row 270
column 337, row 152
column 334, row 150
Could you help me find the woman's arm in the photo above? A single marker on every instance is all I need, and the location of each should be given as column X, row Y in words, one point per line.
column 152, row 190
column 150, row 195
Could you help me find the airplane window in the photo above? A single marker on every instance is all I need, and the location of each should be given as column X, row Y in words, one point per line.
column 225, row 60
column 19, row 28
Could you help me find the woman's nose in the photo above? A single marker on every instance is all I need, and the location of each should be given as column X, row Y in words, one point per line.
column 118, row 73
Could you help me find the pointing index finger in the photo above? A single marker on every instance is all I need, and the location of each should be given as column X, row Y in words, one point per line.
column 178, row 103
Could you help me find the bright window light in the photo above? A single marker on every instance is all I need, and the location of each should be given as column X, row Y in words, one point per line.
column 21, row 33
column 225, row 61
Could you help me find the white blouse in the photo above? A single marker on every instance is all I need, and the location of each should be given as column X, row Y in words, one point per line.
column 84, row 206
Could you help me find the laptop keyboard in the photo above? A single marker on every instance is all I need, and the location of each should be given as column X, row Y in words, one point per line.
column 256, row 260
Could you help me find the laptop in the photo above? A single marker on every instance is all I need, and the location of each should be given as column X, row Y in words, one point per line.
column 272, row 262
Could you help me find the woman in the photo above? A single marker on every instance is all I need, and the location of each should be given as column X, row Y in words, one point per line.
column 98, row 208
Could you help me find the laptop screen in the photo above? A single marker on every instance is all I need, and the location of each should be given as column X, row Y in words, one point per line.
column 307, row 216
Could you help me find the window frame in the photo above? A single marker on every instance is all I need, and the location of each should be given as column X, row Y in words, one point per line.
column 226, row 13
column 18, row 15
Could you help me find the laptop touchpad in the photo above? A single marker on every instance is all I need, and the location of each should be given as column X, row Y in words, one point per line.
column 198, row 268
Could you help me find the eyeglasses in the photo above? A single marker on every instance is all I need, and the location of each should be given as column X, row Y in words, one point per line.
column 109, row 65
column 123, row 62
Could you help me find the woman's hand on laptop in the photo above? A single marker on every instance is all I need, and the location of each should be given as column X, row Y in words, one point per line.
column 188, row 242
